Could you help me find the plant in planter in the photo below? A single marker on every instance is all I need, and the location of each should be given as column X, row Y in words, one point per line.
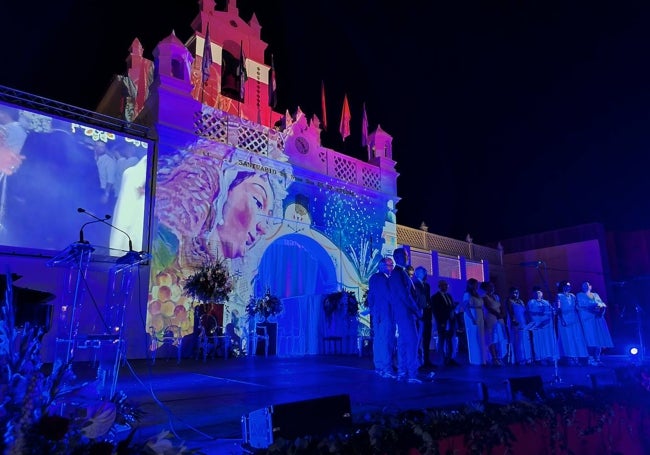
column 211, row 283
column 336, row 300
column 264, row 307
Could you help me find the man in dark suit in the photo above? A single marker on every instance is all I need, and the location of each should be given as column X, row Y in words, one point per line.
column 443, row 311
column 425, row 326
column 407, row 313
column 381, row 315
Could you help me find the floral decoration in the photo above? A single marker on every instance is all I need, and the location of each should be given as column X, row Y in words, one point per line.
column 480, row 427
column 30, row 399
column 211, row 283
column 268, row 305
column 335, row 300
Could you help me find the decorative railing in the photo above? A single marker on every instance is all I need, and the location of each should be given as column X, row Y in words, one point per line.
column 427, row 241
column 219, row 126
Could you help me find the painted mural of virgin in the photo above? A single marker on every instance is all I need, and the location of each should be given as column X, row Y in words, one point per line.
column 213, row 202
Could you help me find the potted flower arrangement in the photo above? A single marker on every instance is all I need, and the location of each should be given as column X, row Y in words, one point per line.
column 211, row 283
column 264, row 307
column 333, row 302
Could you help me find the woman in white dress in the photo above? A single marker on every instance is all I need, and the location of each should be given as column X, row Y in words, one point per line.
column 591, row 310
column 573, row 345
column 540, row 311
column 522, row 349
column 472, row 308
column 495, row 325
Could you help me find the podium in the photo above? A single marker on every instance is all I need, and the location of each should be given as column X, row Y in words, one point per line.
column 106, row 336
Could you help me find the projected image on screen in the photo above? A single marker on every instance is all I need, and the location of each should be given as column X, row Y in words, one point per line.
column 275, row 227
column 52, row 167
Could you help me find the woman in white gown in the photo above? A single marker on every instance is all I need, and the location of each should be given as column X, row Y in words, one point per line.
column 545, row 347
column 573, row 345
column 522, row 349
column 591, row 310
column 495, row 325
column 472, row 308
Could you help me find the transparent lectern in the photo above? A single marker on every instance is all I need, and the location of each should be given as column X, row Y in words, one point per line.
column 105, row 335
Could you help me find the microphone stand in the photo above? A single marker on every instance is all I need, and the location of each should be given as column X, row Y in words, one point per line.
column 131, row 256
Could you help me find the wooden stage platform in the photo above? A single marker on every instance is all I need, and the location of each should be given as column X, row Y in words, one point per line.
column 202, row 403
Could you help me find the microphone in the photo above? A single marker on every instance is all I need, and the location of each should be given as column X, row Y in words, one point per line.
column 101, row 220
column 531, row 263
column 97, row 220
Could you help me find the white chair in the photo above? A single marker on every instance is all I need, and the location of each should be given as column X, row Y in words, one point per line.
column 256, row 333
column 169, row 339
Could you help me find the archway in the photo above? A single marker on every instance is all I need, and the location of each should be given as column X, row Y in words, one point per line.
column 299, row 270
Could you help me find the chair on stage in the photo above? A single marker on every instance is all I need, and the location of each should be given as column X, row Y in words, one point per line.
column 169, row 340
column 257, row 333
column 212, row 336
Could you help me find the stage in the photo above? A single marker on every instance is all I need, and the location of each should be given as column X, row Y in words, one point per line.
column 203, row 402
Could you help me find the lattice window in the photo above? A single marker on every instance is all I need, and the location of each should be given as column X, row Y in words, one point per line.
column 345, row 169
column 371, row 178
column 253, row 140
column 449, row 267
column 322, row 155
column 210, row 125
column 447, row 245
column 412, row 237
column 475, row 270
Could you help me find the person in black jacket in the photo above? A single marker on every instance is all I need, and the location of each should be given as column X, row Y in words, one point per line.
column 444, row 312
column 406, row 312
column 425, row 326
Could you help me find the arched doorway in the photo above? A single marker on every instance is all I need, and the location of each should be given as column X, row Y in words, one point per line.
column 299, row 270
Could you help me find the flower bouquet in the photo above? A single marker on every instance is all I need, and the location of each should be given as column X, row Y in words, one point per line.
column 333, row 302
column 211, row 283
column 264, row 307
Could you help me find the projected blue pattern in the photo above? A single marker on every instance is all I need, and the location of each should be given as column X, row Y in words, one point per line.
column 215, row 201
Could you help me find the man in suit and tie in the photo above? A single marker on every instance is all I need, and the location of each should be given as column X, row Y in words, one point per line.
column 425, row 326
column 407, row 313
column 381, row 316
column 443, row 311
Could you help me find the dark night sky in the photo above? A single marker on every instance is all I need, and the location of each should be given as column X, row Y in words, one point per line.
column 508, row 117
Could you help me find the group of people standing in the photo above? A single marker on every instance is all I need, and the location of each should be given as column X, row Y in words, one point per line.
column 572, row 329
column 403, row 313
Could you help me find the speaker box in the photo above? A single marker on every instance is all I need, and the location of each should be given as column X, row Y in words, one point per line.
column 527, row 388
column 318, row 417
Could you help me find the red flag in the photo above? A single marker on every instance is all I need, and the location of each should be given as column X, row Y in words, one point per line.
column 206, row 61
column 323, row 104
column 273, row 95
column 364, row 127
column 241, row 73
column 344, row 128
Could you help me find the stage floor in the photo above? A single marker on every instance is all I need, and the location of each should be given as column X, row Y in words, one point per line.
column 202, row 403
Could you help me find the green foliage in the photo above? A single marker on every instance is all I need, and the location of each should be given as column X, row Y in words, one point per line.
column 482, row 426
column 33, row 415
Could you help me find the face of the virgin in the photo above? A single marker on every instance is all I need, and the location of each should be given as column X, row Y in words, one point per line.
column 245, row 216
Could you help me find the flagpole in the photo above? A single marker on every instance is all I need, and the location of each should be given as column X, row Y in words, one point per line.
column 206, row 61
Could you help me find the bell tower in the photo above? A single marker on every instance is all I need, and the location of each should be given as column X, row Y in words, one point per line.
column 237, row 79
